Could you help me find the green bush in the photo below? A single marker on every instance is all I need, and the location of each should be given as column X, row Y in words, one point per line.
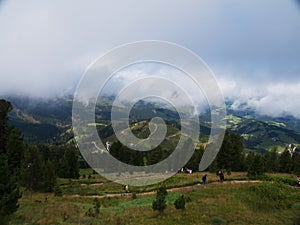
column 180, row 202
column 160, row 203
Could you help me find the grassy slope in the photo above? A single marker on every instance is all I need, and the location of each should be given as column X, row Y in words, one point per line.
column 262, row 136
column 53, row 118
column 249, row 203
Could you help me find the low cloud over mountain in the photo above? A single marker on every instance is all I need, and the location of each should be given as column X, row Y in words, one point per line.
column 252, row 46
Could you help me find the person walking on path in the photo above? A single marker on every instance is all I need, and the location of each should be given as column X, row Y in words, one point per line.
column 221, row 175
column 126, row 188
column 204, row 179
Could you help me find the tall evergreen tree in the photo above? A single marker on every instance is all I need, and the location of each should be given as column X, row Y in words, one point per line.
column 285, row 162
column 49, row 177
column 272, row 161
column 231, row 153
column 249, row 160
column 32, row 169
column 224, row 157
column 36, row 173
column 296, row 163
column 236, row 152
column 9, row 190
column 160, row 203
column 71, row 165
column 15, row 149
column 256, row 167
column 5, row 108
column 193, row 163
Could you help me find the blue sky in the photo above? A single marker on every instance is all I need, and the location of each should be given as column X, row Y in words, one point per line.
column 252, row 46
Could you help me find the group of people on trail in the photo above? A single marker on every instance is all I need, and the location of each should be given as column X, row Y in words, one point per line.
column 221, row 177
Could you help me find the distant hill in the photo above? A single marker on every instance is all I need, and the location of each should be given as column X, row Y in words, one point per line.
column 49, row 121
column 261, row 136
column 288, row 121
column 42, row 121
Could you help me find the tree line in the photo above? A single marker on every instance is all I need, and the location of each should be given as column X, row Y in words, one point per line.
column 231, row 157
column 34, row 167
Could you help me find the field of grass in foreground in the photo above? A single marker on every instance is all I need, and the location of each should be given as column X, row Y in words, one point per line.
column 247, row 203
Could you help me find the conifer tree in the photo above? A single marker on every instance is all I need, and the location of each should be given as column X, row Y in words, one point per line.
column 256, row 167
column 160, row 203
column 285, row 162
column 272, row 161
column 9, row 190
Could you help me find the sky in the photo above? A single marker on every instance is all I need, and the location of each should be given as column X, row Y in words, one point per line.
column 252, row 46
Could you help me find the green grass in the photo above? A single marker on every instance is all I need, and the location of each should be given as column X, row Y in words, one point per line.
column 267, row 202
column 101, row 186
column 142, row 202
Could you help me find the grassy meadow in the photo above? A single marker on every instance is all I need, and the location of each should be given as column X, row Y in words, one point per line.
column 237, row 201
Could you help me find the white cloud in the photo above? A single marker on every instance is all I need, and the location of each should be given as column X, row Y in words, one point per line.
column 46, row 46
column 273, row 99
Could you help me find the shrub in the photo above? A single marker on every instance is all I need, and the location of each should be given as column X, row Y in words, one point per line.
column 159, row 203
column 180, row 202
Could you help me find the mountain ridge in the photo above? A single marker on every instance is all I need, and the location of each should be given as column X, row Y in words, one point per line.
column 49, row 121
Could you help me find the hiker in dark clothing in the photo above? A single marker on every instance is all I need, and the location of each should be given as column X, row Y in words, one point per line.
column 204, row 179
column 221, row 175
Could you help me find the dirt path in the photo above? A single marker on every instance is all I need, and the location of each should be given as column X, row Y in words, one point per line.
column 183, row 189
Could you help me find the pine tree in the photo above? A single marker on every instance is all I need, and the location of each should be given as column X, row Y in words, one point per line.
column 49, row 177
column 296, row 163
column 160, row 203
column 236, row 152
column 213, row 167
column 36, row 173
column 15, row 149
column 272, row 161
column 32, row 169
column 285, row 162
column 9, row 190
column 230, row 155
column 256, row 167
column 193, row 163
column 224, row 157
column 71, row 163
column 5, row 108
column 249, row 160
